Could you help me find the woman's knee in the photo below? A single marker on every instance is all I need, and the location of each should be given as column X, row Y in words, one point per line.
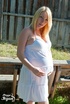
column 30, row 102
column 46, row 102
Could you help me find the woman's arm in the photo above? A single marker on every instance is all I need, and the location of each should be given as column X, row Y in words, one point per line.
column 20, row 53
column 21, row 47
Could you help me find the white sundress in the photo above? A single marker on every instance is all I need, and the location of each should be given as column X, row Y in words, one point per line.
column 31, row 87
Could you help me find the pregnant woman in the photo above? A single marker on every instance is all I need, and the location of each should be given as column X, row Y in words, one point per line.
column 34, row 51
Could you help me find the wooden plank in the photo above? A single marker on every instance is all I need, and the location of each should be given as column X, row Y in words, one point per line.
column 14, row 83
column 20, row 20
column 1, row 17
column 54, row 33
column 65, row 67
column 50, row 81
column 67, row 35
column 20, row 15
column 68, row 15
column 61, row 20
column 11, row 22
column 6, row 77
column 34, row 6
column 27, row 11
column 59, row 8
column 63, row 80
column 58, row 72
column 61, row 62
column 64, row 8
column 61, row 34
column 16, row 61
column 46, row 2
column 5, row 21
column 51, row 6
column 55, row 11
column 7, row 70
column 31, row 16
column 10, row 61
column 42, row 2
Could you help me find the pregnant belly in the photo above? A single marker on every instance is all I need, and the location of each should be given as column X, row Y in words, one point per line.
column 40, row 62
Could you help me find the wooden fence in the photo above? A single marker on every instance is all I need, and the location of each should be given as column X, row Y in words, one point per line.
column 17, row 14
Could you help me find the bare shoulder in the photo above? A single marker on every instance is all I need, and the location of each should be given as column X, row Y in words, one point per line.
column 24, row 35
column 26, row 32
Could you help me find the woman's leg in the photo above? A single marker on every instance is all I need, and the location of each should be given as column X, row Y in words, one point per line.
column 30, row 102
column 46, row 102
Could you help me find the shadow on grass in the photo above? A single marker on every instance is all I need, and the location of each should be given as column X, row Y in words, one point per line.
column 61, row 49
column 64, row 92
column 9, row 42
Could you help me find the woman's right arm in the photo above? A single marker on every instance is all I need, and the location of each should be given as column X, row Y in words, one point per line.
column 21, row 47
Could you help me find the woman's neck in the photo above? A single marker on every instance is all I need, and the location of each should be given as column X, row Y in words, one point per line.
column 38, row 32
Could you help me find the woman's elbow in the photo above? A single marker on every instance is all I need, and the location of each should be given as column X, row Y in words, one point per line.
column 18, row 55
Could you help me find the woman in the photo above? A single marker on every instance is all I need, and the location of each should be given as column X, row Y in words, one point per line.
column 35, row 54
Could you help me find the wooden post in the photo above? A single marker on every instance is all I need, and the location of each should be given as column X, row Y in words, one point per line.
column 11, row 22
column 51, row 79
column 58, row 72
column 1, row 17
column 14, row 82
column 20, row 21
column 27, row 11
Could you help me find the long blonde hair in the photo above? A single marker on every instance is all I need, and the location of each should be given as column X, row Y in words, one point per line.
column 46, row 29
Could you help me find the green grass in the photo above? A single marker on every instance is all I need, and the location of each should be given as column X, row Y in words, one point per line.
column 9, row 50
column 60, row 54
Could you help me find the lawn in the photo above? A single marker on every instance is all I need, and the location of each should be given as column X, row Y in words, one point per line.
column 61, row 96
column 9, row 50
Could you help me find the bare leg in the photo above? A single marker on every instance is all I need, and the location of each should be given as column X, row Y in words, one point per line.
column 47, row 102
column 30, row 102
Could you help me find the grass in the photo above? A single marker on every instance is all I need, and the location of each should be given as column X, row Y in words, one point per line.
column 10, row 49
column 60, row 54
column 59, row 100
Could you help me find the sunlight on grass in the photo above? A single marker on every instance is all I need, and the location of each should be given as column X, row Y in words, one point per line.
column 10, row 50
column 60, row 54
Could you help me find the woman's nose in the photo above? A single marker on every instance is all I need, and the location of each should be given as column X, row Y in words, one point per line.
column 43, row 20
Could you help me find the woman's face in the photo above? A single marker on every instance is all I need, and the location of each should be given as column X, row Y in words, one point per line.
column 42, row 20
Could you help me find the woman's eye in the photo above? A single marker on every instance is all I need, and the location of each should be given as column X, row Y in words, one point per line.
column 46, row 20
column 41, row 17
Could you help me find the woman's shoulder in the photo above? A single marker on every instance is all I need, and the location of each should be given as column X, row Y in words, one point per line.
column 26, row 32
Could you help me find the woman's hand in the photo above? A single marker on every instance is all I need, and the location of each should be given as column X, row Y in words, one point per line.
column 38, row 72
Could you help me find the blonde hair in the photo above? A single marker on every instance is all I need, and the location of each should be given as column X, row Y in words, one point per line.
column 47, row 27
